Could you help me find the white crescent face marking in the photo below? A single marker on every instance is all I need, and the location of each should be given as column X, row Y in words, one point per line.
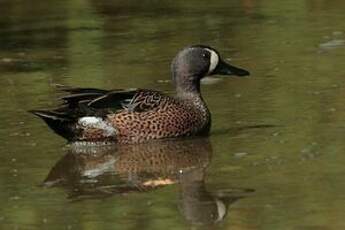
column 214, row 59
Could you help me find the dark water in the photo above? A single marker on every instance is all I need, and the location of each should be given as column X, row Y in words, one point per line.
column 275, row 156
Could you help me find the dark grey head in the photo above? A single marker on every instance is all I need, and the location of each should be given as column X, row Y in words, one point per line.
column 195, row 62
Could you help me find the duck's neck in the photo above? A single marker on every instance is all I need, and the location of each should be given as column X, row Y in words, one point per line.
column 189, row 91
column 187, row 87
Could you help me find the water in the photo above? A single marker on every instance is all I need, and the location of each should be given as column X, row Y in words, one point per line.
column 274, row 159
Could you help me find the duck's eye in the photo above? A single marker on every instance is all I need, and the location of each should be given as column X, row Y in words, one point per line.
column 206, row 55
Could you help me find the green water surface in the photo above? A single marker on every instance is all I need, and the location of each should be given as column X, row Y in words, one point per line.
column 275, row 158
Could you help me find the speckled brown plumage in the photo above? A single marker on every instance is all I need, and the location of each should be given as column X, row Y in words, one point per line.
column 169, row 117
column 137, row 115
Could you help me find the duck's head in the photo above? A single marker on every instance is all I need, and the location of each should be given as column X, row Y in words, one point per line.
column 195, row 62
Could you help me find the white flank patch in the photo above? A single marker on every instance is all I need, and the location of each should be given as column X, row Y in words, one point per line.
column 221, row 210
column 214, row 59
column 97, row 123
column 85, row 121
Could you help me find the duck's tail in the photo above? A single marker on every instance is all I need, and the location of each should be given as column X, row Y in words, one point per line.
column 61, row 123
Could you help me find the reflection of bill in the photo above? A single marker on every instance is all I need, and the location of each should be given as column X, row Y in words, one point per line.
column 88, row 172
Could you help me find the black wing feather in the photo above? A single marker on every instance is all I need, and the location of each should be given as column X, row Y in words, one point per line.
column 77, row 90
column 94, row 102
column 72, row 100
column 113, row 99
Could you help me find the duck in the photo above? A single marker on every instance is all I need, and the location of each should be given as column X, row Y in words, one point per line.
column 125, row 116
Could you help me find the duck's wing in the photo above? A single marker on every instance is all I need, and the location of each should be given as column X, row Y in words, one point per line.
column 81, row 102
column 93, row 105
column 138, row 100
column 91, row 101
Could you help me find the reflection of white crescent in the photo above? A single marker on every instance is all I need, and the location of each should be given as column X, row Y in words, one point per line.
column 221, row 210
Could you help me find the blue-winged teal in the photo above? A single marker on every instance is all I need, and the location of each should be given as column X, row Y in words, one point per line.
column 138, row 115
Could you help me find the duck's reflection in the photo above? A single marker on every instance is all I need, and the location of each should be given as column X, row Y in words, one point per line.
column 92, row 172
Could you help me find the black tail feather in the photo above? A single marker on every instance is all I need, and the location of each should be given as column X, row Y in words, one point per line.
column 61, row 123
column 81, row 102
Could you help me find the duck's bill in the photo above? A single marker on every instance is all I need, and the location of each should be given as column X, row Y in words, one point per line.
column 224, row 68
